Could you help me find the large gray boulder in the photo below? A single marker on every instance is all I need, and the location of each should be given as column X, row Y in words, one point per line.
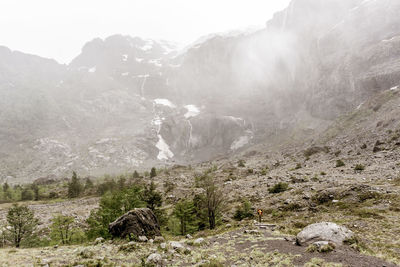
column 324, row 231
column 137, row 222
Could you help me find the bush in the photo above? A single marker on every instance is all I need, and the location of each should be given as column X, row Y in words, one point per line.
column 26, row 194
column 243, row 211
column 359, row 168
column 339, row 163
column 298, row 166
column 241, row 163
column 278, row 188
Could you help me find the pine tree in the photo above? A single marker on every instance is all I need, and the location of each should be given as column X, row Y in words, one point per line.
column 135, row 174
column 88, row 184
column 152, row 198
column 185, row 212
column 153, row 172
column 36, row 193
column 74, row 187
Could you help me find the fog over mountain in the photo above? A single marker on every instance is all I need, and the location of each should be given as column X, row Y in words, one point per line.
column 127, row 103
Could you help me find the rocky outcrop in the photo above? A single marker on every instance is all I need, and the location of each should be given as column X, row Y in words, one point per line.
column 323, row 232
column 136, row 223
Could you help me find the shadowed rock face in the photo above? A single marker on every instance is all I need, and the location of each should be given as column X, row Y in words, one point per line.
column 137, row 222
column 314, row 61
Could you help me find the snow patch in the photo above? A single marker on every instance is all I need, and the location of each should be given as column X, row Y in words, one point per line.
column 148, row 46
column 92, row 69
column 175, row 65
column 138, row 59
column 238, row 121
column 192, row 111
column 164, row 102
column 125, row 57
column 242, row 140
column 125, row 74
column 164, row 152
column 394, row 88
column 105, row 140
column 156, row 62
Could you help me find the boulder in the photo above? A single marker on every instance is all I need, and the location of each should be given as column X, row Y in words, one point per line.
column 137, row 222
column 176, row 246
column 324, row 231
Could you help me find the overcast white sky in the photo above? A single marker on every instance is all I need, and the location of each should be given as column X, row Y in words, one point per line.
column 59, row 28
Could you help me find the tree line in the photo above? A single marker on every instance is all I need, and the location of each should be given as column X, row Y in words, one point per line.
column 118, row 196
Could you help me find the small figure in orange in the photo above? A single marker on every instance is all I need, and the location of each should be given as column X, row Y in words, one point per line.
column 260, row 213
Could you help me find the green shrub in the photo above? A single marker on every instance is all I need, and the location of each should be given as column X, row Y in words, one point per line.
column 241, row 163
column 359, row 168
column 339, row 163
column 243, row 211
column 212, row 263
column 278, row 188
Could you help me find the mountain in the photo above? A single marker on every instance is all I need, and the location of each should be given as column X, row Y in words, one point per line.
column 127, row 103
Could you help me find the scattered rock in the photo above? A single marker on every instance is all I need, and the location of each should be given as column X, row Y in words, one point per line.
column 176, row 246
column 252, row 232
column 99, row 240
column 163, row 245
column 138, row 222
column 188, row 236
column 154, row 259
column 324, row 231
column 199, row 241
column 143, row 238
column 128, row 247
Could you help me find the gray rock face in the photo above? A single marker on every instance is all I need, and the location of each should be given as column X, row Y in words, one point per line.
column 137, row 222
column 323, row 232
column 332, row 56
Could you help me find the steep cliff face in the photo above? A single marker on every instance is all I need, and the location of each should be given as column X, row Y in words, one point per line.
column 127, row 102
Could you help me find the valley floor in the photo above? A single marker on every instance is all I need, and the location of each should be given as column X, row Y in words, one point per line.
column 234, row 247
